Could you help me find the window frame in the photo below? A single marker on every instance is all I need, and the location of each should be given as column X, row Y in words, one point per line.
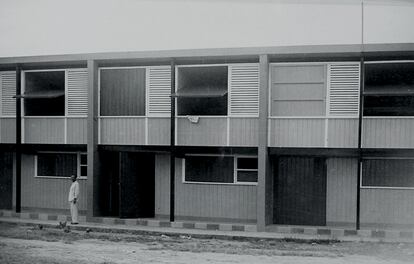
column 78, row 170
column 235, row 170
column 382, row 187
column 204, row 65
column 23, row 89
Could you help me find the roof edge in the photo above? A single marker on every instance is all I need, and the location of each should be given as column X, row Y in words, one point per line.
column 215, row 52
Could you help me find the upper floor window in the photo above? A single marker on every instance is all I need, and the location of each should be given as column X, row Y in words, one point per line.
column 298, row 90
column 44, row 93
column 315, row 89
column 389, row 89
column 60, row 92
column 122, row 91
column 202, row 90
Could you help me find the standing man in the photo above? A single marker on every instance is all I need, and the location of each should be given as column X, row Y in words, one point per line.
column 73, row 199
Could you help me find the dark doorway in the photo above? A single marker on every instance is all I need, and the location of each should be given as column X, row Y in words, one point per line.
column 300, row 191
column 128, row 189
column 6, row 180
column 109, row 187
column 137, row 185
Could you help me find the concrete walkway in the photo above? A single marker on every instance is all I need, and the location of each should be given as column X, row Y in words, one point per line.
column 208, row 230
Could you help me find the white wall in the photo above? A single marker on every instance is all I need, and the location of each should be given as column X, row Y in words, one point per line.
column 389, row 21
column 44, row 27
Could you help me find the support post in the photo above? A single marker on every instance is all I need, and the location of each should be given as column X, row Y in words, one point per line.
column 172, row 145
column 92, row 142
column 360, row 124
column 18, row 139
column 264, row 183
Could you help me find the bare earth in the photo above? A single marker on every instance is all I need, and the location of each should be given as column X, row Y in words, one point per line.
column 22, row 244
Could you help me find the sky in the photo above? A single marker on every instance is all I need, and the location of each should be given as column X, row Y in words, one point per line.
column 49, row 27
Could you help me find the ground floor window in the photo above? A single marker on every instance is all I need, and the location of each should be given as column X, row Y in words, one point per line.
column 61, row 165
column 388, row 173
column 246, row 169
column 220, row 169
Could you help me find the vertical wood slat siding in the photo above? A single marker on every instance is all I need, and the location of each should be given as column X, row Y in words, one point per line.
column 46, row 192
column 158, row 131
column 388, row 133
column 343, row 133
column 123, row 131
column 207, row 132
column 236, row 202
column 387, row 207
column 341, row 191
column 7, row 130
column 76, row 130
column 297, row 132
column 162, row 184
column 244, row 131
column 44, row 130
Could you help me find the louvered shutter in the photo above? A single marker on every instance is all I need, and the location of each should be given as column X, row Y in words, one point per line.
column 159, row 91
column 77, row 93
column 244, row 90
column 344, row 89
column 8, row 90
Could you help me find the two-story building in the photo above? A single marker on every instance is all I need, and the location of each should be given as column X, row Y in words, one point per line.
column 318, row 135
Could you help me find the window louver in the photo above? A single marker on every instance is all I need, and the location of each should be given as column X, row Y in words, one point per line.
column 159, row 91
column 344, row 89
column 244, row 90
column 77, row 94
column 8, row 90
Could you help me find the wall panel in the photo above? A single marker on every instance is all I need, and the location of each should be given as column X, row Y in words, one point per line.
column 47, row 193
column 341, row 191
column 389, row 207
column 297, row 132
column 343, row 133
column 76, row 130
column 203, row 201
column 388, row 133
column 244, row 131
column 122, row 131
column 7, row 130
column 206, row 132
column 44, row 130
column 158, row 131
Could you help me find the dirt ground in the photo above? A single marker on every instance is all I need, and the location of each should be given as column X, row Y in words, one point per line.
column 23, row 244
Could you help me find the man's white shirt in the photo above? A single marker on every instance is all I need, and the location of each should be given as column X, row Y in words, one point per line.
column 74, row 191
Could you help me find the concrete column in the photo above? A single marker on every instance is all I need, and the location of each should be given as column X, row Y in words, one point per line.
column 265, row 179
column 18, row 183
column 93, row 157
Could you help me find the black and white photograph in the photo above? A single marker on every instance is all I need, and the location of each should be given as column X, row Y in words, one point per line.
column 207, row 131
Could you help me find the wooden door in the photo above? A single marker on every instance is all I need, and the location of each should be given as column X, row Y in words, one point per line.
column 300, row 191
